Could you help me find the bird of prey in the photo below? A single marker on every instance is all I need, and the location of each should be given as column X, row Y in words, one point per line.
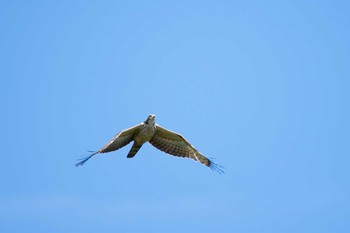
column 159, row 137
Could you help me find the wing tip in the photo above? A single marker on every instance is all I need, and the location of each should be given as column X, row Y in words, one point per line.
column 83, row 160
column 216, row 167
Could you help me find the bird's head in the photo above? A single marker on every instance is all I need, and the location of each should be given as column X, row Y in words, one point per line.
column 150, row 119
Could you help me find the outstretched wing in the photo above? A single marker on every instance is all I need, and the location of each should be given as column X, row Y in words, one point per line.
column 121, row 139
column 175, row 144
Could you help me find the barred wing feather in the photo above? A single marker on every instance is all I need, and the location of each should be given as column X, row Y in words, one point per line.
column 175, row 144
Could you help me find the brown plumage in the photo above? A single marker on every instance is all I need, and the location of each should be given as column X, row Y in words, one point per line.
column 161, row 138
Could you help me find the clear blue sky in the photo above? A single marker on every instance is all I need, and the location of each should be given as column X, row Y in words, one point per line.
column 262, row 86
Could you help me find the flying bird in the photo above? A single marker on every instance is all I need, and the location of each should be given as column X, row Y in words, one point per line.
column 159, row 137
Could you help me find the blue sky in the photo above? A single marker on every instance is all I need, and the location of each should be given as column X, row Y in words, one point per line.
column 261, row 86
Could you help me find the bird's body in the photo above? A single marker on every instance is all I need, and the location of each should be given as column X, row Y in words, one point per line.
column 161, row 138
column 147, row 131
